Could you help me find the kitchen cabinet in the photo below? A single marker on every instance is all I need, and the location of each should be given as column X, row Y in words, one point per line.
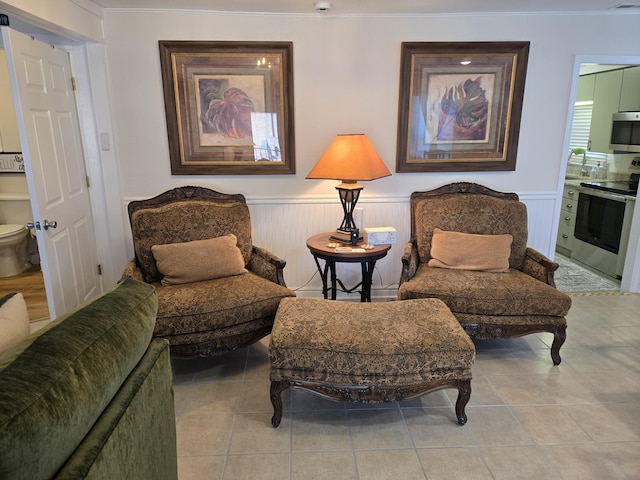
column 586, row 86
column 606, row 100
column 630, row 91
column 564, row 241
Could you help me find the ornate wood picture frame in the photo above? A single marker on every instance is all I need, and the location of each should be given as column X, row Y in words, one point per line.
column 229, row 107
column 460, row 105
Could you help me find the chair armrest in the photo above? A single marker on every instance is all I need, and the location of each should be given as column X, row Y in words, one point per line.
column 267, row 265
column 132, row 270
column 410, row 261
column 540, row 267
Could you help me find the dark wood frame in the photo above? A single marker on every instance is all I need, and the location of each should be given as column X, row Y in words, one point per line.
column 221, row 150
column 369, row 394
column 503, row 64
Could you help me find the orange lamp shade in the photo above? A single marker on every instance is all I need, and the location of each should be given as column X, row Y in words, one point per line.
column 350, row 157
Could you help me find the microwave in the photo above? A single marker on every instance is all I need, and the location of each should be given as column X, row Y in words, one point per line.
column 625, row 132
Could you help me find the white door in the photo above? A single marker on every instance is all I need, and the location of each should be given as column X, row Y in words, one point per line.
column 54, row 164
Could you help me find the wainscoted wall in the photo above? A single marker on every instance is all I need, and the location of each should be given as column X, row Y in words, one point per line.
column 282, row 225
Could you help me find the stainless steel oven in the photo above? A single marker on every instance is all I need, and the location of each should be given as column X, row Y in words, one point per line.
column 603, row 222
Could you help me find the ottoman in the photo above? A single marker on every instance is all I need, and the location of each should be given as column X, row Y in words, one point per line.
column 369, row 352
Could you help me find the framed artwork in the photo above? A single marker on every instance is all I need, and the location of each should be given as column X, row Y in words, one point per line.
column 460, row 105
column 229, row 107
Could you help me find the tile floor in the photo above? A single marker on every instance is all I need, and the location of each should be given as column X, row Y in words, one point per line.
column 527, row 418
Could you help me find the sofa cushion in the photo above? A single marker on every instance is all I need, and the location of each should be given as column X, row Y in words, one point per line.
column 219, row 303
column 64, row 376
column 486, row 293
column 199, row 260
column 469, row 251
column 14, row 321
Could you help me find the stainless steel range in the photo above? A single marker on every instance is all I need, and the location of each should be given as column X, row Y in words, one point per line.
column 603, row 223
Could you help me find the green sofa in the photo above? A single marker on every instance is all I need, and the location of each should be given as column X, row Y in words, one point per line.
column 90, row 395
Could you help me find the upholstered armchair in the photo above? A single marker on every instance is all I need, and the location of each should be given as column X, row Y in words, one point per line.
column 492, row 282
column 216, row 290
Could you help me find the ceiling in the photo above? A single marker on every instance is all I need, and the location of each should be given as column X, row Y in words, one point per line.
column 398, row 7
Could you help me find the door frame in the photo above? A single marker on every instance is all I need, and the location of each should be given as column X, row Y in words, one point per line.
column 631, row 275
column 88, row 62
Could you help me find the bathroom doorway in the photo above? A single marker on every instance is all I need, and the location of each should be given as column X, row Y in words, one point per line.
column 15, row 208
column 54, row 166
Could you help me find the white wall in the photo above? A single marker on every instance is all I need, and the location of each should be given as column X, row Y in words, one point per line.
column 8, row 124
column 15, row 207
column 346, row 78
column 346, row 73
column 75, row 19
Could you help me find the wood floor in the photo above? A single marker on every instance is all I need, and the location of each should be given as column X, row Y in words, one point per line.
column 31, row 285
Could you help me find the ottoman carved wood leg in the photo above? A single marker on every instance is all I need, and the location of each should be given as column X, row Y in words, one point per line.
column 369, row 352
column 276, row 400
column 370, row 394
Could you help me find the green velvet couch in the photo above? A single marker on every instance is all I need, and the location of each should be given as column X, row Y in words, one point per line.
column 90, row 395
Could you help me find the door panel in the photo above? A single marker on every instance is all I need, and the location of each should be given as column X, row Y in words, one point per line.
column 54, row 164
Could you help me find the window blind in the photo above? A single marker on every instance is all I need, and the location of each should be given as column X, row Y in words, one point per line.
column 581, row 125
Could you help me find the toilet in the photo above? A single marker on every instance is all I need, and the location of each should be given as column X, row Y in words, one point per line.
column 13, row 250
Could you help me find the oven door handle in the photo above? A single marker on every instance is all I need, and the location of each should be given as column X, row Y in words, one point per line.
column 601, row 193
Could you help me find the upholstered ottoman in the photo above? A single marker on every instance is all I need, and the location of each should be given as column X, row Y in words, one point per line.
column 369, row 352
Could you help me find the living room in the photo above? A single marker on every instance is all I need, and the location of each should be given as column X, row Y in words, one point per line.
column 341, row 85
column 346, row 70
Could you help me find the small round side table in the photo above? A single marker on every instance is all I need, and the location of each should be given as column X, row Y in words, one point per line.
column 317, row 245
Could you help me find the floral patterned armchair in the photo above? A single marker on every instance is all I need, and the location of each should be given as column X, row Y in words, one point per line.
column 205, row 316
column 520, row 300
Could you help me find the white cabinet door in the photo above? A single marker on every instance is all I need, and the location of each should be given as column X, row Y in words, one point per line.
column 630, row 93
column 586, row 85
column 606, row 98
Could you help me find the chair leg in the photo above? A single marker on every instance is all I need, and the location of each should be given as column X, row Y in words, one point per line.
column 559, row 336
column 464, row 394
column 276, row 389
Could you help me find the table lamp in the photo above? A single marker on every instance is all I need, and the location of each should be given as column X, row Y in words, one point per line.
column 349, row 158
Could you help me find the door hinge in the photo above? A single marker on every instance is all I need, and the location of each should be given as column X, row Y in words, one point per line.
column 88, row 181
column 99, row 269
column 73, row 83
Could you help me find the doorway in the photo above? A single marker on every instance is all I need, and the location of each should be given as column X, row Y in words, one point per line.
column 55, row 169
column 15, row 208
column 89, row 66
column 598, row 155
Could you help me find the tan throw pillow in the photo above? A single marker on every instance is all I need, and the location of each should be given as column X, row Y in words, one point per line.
column 198, row 260
column 14, row 322
column 468, row 251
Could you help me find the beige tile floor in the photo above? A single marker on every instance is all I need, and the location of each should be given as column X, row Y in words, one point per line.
column 527, row 418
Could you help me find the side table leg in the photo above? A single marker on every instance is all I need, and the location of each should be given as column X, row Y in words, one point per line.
column 367, row 279
column 334, row 286
column 323, row 276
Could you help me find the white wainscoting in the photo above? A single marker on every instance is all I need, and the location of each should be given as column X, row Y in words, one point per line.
column 283, row 224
